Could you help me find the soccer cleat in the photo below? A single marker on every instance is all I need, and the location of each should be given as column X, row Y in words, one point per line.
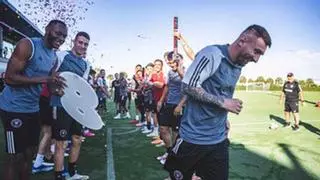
column 133, row 121
column 296, row 128
column 164, row 156
column 153, row 134
column 146, row 131
column 161, row 144
column 41, row 168
column 287, row 125
column 156, row 141
column 127, row 115
column 118, row 116
column 78, row 177
column 141, row 124
column 48, row 162
column 163, row 161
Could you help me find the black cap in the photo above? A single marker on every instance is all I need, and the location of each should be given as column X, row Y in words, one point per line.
column 290, row 74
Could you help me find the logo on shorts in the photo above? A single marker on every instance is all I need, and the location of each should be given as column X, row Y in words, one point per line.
column 177, row 175
column 16, row 123
column 63, row 133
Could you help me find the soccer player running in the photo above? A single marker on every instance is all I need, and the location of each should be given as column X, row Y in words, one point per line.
column 28, row 68
column 64, row 125
column 291, row 91
column 209, row 84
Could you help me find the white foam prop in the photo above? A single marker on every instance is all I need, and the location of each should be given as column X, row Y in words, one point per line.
column 80, row 101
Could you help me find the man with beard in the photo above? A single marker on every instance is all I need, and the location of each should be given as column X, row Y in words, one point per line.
column 209, row 84
column 28, row 68
column 64, row 125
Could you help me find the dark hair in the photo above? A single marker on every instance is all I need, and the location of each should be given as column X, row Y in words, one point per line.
column 139, row 65
column 159, row 60
column 150, row 64
column 260, row 32
column 92, row 71
column 56, row 21
column 102, row 70
column 170, row 56
column 84, row 34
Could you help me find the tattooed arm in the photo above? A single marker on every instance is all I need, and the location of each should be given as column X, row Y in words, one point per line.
column 199, row 94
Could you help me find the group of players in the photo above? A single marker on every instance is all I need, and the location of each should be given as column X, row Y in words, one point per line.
column 31, row 103
column 185, row 110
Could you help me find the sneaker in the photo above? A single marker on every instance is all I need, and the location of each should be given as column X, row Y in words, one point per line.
column 127, row 115
column 65, row 172
column 78, row 177
column 161, row 144
column 88, row 133
column 140, row 124
column 165, row 155
column 153, row 133
column 48, row 162
column 156, row 141
column 133, row 121
column 147, row 131
column 118, row 116
column 41, row 168
column 163, row 161
column 296, row 127
column 287, row 125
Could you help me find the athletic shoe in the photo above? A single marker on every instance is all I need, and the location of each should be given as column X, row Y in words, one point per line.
column 78, row 177
column 127, row 115
column 118, row 116
column 161, row 144
column 48, row 162
column 88, row 133
column 296, row 128
column 156, row 141
column 153, row 133
column 163, row 161
column 65, row 172
column 287, row 125
column 134, row 121
column 165, row 155
column 141, row 124
column 147, row 131
column 41, row 168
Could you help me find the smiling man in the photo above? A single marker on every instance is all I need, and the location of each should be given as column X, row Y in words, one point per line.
column 64, row 126
column 28, row 68
column 209, row 84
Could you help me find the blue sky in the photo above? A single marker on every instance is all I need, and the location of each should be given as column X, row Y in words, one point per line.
column 294, row 26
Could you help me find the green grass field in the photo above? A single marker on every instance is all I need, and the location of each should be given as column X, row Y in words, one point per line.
column 120, row 151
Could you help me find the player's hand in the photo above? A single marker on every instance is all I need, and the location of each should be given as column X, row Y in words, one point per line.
column 232, row 105
column 178, row 35
column 56, row 84
column 159, row 106
column 177, row 111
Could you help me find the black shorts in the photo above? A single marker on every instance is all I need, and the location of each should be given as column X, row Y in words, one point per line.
column 208, row 161
column 45, row 111
column 150, row 106
column 291, row 107
column 21, row 130
column 123, row 100
column 167, row 118
column 139, row 102
column 116, row 98
column 129, row 96
column 102, row 102
column 64, row 125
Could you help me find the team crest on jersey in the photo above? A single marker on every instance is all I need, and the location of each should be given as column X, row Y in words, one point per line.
column 63, row 133
column 16, row 123
column 177, row 175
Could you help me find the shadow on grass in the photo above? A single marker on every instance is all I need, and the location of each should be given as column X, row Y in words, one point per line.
column 308, row 126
